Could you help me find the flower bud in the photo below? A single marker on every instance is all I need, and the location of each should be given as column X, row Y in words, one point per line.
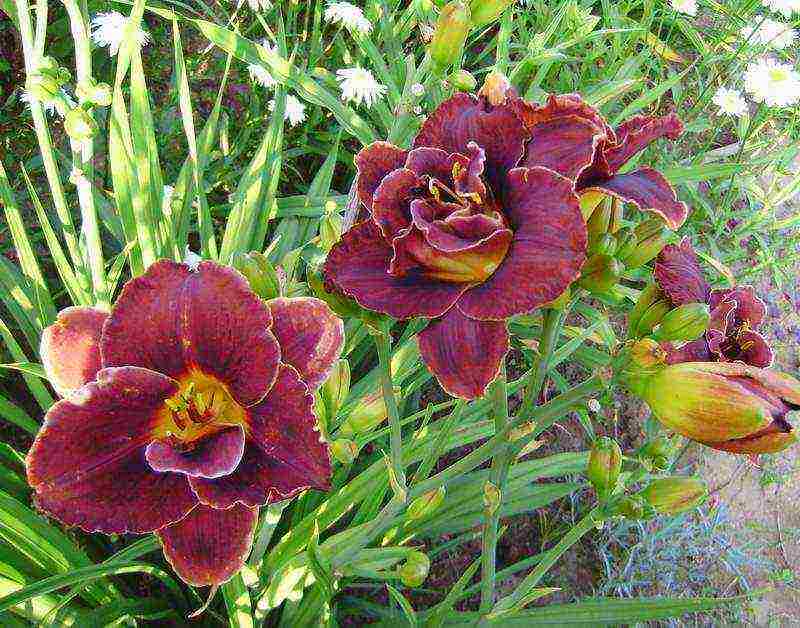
column 648, row 297
column 463, row 81
column 599, row 220
column 495, row 88
column 426, row 504
column 330, row 230
column 450, row 35
column 606, row 244
column 79, row 125
column 589, row 202
column 369, row 412
column 600, row 273
column 646, row 354
column 661, row 447
column 629, row 507
column 651, row 317
column 686, row 322
column 486, row 11
column 491, row 497
column 405, row 357
column 651, row 237
column 335, row 389
column 91, row 91
column 605, row 464
column 260, row 272
column 626, row 243
column 414, row 570
column 670, row 496
column 48, row 65
column 344, row 450
column 725, row 405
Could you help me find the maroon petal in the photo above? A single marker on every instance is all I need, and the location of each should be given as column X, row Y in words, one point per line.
column 464, row 354
column 753, row 349
column 649, row 191
column 311, row 336
column 463, row 119
column 226, row 332
column 70, row 348
column 212, row 457
column 284, row 453
column 694, row 351
column 433, row 162
column 209, row 546
column 566, row 145
column 358, row 266
column 637, row 133
column 87, row 464
column 143, row 329
column 749, row 308
column 679, row 275
column 373, row 163
column 546, row 254
column 559, row 106
column 391, row 207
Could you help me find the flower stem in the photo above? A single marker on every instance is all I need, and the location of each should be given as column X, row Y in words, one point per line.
column 497, row 477
column 551, row 330
column 382, row 344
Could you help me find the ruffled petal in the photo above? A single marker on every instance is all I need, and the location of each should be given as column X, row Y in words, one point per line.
column 648, row 190
column 311, row 336
column 546, row 254
column 694, row 351
column 433, row 162
column 679, row 275
column 753, row 349
column 373, row 163
column 70, row 348
column 284, row 453
column 566, row 145
column 749, row 308
column 209, row 546
column 358, row 266
column 225, row 332
column 214, row 456
column 464, row 354
column 87, row 464
column 636, row 134
column 391, row 207
column 463, row 119
column 560, row 106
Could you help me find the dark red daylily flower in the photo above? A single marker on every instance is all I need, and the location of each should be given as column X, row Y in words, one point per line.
column 736, row 313
column 185, row 409
column 480, row 221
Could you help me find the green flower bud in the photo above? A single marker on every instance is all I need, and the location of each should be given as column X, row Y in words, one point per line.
column 405, row 357
column 599, row 220
column 91, row 91
column 670, row 496
column 652, row 317
column 605, row 464
column 630, row 507
column 369, row 412
column 79, row 125
column 344, row 450
column 414, row 570
column 426, row 504
column 463, row 81
column 450, row 35
column 48, row 65
column 260, row 272
column 686, row 322
column 330, row 230
column 651, row 237
column 486, row 11
column 340, row 304
column 646, row 353
column 647, row 297
column 335, row 389
column 600, row 273
column 589, row 202
column 661, row 447
column 606, row 244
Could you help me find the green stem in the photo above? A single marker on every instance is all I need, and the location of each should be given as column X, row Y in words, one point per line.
column 551, row 330
column 382, row 343
column 497, row 477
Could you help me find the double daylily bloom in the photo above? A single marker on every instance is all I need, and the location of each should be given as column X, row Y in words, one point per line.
column 185, row 409
column 480, row 220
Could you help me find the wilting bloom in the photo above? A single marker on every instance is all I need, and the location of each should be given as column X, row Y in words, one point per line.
column 731, row 407
column 480, row 221
column 186, row 408
column 736, row 313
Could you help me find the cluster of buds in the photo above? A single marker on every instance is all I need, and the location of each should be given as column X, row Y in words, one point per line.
column 654, row 315
column 662, row 496
column 604, row 467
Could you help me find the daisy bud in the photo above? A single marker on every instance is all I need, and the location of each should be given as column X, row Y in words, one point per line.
column 426, row 504
column 79, row 125
column 450, row 34
column 670, row 496
column 600, row 273
column 261, row 274
column 651, row 237
column 486, row 11
column 91, row 91
column 605, row 464
column 414, row 570
column 344, row 450
column 463, row 81
column 686, row 322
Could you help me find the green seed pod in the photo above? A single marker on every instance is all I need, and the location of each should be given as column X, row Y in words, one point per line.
column 260, row 273
column 426, row 504
column 605, row 464
column 487, row 11
column 463, row 81
column 414, row 570
column 686, row 322
column 670, row 496
column 79, row 125
column 450, row 35
column 600, row 273
column 344, row 450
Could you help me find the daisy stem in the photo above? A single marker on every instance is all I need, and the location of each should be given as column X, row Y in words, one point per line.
column 383, row 345
column 497, row 478
column 551, row 330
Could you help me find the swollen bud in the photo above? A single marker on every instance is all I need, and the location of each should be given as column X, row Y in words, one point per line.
column 330, row 229
column 260, row 273
column 630, row 507
column 414, row 570
column 79, row 125
column 670, row 496
column 600, row 273
column 651, row 237
column 450, row 35
column 426, row 504
column 626, row 242
column 344, row 450
column 369, row 413
column 463, row 81
column 686, row 322
column 335, row 389
column 605, row 464
column 606, row 244
column 658, row 451
column 647, row 353
column 486, row 11
column 495, row 88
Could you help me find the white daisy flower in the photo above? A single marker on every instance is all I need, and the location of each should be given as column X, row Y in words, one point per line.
column 295, row 110
column 108, row 30
column 348, row 15
column 689, row 7
column 774, row 83
column 417, row 89
column 259, row 5
column 259, row 74
column 59, row 106
column 785, row 7
column 594, row 406
column 358, row 85
column 730, row 102
column 771, row 33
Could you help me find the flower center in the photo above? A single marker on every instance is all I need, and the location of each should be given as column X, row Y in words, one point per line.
column 202, row 406
column 778, row 75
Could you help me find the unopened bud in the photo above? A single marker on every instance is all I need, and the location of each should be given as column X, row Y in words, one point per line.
column 491, row 498
column 344, row 450
column 369, row 413
column 630, row 507
column 651, row 237
column 426, row 504
column 589, row 202
column 626, row 243
column 406, row 356
column 606, row 244
column 91, row 91
column 260, row 273
column 43, row 88
column 604, row 466
column 334, row 390
column 600, row 219
column 486, row 11
column 686, row 322
column 600, row 273
column 670, row 496
column 647, row 353
column 495, row 88
column 330, row 230
column 79, row 125
column 414, row 570
column 463, row 81
column 651, row 317
column 450, row 35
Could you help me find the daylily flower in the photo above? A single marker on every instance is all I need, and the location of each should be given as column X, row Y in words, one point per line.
column 480, row 221
column 185, row 409
column 736, row 313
